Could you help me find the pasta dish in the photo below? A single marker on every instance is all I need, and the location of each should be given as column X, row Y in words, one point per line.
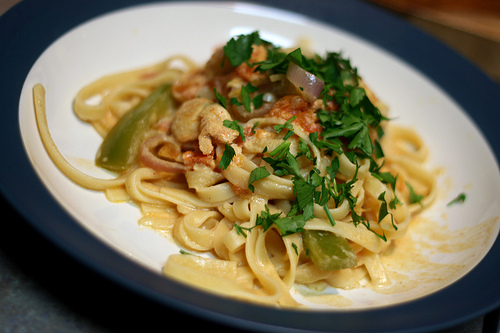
column 268, row 167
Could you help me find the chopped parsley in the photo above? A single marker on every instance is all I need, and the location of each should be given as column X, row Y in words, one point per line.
column 241, row 230
column 390, row 179
column 239, row 49
column 249, row 103
column 227, row 156
column 220, row 98
column 460, row 198
column 287, row 125
column 246, row 100
column 353, row 129
column 414, row 197
column 235, row 125
column 256, row 174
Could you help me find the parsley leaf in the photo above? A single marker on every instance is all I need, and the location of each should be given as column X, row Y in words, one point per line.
column 258, row 101
column 329, row 146
column 266, row 219
column 305, row 151
column 288, row 125
column 460, row 198
column 389, row 178
column 304, row 192
column 383, row 211
column 239, row 49
column 254, row 126
column 276, row 61
column 235, row 125
column 227, row 156
column 282, row 161
column 378, row 152
column 241, row 230
column 247, row 100
column 356, row 96
column 290, row 224
column 220, row 98
column 333, row 168
column 329, row 215
column 256, row 174
column 414, row 197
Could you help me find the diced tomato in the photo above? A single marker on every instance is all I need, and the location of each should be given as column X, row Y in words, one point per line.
column 191, row 158
column 293, row 105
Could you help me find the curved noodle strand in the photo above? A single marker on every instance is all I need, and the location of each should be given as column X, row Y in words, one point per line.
column 71, row 172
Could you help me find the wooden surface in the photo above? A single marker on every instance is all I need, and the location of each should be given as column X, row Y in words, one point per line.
column 477, row 17
column 5, row 5
column 471, row 27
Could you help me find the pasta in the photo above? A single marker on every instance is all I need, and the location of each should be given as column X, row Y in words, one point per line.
column 268, row 168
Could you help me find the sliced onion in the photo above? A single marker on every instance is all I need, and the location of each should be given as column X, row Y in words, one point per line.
column 309, row 84
column 149, row 159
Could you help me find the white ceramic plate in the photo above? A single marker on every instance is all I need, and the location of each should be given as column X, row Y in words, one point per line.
column 143, row 35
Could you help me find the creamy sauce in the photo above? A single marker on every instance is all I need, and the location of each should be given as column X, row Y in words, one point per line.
column 420, row 258
column 320, row 294
column 336, row 301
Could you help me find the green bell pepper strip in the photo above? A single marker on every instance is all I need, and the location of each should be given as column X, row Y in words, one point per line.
column 328, row 251
column 121, row 145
